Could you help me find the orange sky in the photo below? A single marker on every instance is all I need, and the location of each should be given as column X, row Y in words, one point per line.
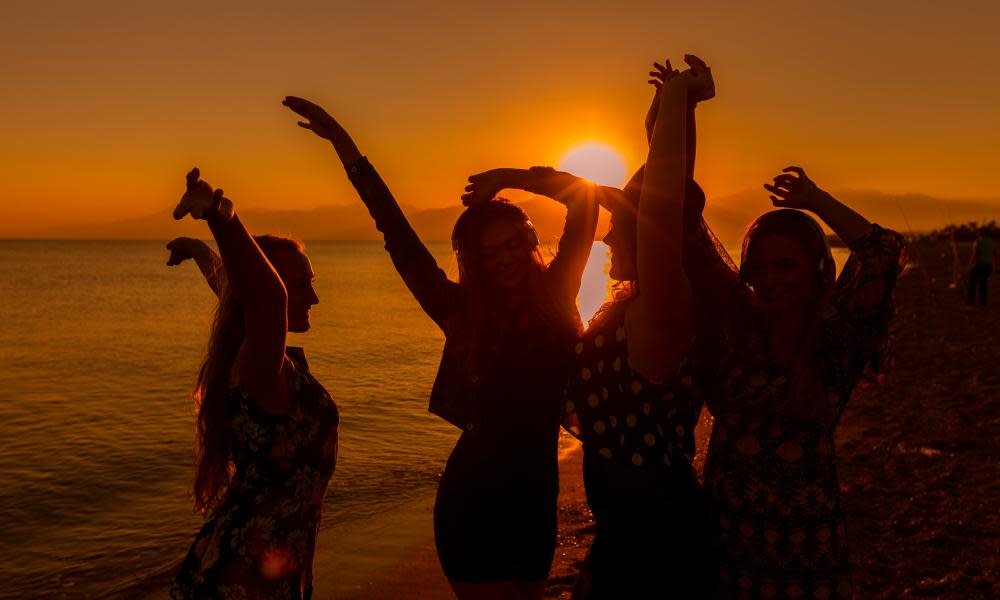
column 107, row 104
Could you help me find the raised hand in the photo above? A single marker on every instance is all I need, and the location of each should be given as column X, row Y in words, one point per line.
column 658, row 76
column 317, row 120
column 484, row 186
column 181, row 249
column 701, row 85
column 322, row 124
column 201, row 200
column 793, row 189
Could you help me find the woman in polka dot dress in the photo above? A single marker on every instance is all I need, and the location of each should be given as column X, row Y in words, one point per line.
column 626, row 400
column 790, row 347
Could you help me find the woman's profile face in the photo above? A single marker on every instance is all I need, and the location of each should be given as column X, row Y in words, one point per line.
column 297, row 274
column 782, row 273
column 622, row 253
column 504, row 254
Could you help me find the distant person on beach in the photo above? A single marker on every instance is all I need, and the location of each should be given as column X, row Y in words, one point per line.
column 510, row 323
column 791, row 342
column 266, row 429
column 984, row 260
column 626, row 400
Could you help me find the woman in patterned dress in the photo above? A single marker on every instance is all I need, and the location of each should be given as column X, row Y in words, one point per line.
column 510, row 323
column 626, row 401
column 267, row 430
column 789, row 344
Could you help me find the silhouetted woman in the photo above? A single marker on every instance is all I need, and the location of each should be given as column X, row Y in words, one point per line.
column 652, row 536
column 267, row 430
column 791, row 342
column 510, row 323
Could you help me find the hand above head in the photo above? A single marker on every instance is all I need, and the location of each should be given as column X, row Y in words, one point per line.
column 793, row 189
column 659, row 76
column 317, row 120
column 484, row 186
column 701, row 84
column 201, row 200
column 322, row 124
column 182, row 249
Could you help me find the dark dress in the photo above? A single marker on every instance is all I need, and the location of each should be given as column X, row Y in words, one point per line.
column 501, row 381
column 653, row 528
column 495, row 513
column 259, row 542
column 773, row 477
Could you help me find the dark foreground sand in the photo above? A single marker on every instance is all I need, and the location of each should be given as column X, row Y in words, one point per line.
column 919, row 459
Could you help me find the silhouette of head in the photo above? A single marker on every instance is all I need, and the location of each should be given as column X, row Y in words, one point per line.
column 288, row 258
column 786, row 259
column 622, row 236
column 496, row 244
column 228, row 331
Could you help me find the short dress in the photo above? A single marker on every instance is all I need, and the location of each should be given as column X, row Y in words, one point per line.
column 774, row 478
column 653, row 523
column 495, row 512
column 259, row 542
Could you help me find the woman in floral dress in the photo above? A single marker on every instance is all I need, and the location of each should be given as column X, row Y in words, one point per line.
column 267, row 430
column 790, row 344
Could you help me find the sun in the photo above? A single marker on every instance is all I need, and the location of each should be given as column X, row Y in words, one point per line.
column 595, row 162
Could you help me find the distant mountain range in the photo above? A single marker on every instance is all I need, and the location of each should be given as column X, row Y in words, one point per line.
column 728, row 216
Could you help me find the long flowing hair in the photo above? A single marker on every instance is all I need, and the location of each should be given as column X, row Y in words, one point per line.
column 213, row 439
column 478, row 321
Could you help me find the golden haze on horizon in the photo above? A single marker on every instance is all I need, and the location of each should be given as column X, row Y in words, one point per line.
column 112, row 104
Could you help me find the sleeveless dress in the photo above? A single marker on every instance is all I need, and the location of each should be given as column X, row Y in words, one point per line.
column 773, row 478
column 259, row 542
column 653, row 528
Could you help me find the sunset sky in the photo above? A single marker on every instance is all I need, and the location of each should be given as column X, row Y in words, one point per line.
column 107, row 104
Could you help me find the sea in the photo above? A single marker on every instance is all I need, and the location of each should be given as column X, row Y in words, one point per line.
column 100, row 345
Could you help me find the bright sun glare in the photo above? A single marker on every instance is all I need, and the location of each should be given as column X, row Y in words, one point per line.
column 596, row 162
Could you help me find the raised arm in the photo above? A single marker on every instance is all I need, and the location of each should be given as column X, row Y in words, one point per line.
column 659, row 324
column 437, row 295
column 658, row 77
column 793, row 189
column 209, row 263
column 256, row 287
column 578, row 195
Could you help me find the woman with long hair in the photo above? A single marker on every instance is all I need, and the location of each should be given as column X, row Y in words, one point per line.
column 652, row 534
column 266, row 429
column 510, row 323
column 791, row 343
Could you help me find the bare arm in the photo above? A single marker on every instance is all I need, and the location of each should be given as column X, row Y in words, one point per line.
column 208, row 261
column 659, row 76
column 658, row 323
column 257, row 288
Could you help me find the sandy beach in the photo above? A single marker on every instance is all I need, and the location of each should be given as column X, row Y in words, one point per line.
column 919, row 459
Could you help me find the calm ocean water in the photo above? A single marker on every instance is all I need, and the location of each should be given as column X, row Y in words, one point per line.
column 100, row 344
column 99, row 348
